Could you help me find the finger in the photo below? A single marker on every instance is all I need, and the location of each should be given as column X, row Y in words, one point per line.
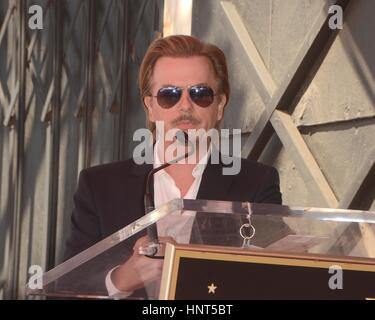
column 140, row 243
column 144, row 243
column 163, row 244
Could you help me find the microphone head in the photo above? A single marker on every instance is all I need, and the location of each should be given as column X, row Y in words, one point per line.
column 182, row 137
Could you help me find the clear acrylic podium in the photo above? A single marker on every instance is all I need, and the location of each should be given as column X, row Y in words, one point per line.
column 236, row 238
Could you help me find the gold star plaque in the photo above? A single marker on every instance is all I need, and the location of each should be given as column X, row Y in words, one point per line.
column 211, row 288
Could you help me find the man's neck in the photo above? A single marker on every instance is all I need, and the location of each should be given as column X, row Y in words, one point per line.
column 182, row 172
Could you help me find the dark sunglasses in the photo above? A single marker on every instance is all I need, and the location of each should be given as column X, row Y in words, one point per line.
column 201, row 95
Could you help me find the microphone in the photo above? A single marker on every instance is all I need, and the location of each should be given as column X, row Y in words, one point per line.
column 148, row 199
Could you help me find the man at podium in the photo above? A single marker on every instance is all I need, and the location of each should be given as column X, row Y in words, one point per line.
column 184, row 85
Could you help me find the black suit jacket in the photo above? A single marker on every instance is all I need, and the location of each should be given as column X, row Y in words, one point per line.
column 110, row 196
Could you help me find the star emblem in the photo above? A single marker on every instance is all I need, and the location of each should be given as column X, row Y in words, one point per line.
column 211, row 288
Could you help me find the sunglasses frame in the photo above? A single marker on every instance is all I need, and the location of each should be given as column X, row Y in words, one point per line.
column 181, row 88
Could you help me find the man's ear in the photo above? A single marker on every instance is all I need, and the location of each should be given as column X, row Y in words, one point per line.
column 148, row 103
column 221, row 106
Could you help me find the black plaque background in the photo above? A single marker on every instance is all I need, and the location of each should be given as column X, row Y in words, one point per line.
column 245, row 280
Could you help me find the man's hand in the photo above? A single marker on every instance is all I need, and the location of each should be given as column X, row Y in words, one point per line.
column 139, row 270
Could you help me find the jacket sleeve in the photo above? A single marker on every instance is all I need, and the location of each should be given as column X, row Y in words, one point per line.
column 269, row 192
column 85, row 224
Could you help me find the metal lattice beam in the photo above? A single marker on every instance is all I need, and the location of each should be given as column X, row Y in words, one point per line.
column 272, row 97
column 280, row 99
column 314, row 46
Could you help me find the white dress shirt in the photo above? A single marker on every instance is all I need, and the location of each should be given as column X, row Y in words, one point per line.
column 177, row 225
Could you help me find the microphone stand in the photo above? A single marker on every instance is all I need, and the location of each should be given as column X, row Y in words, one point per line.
column 148, row 199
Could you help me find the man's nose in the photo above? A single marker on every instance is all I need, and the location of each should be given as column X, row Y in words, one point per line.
column 185, row 102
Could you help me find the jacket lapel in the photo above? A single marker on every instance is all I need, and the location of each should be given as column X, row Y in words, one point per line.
column 140, row 172
column 214, row 185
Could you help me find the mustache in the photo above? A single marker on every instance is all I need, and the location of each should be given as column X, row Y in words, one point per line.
column 186, row 117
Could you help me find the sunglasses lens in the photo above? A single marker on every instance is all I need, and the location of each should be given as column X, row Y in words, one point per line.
column 203, row 96
column 168, row 97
